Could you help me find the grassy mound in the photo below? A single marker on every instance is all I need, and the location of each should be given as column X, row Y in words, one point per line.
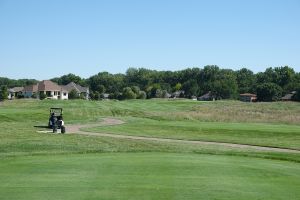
column 148, row 176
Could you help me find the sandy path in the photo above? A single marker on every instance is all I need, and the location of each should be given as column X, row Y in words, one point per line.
column 75, row 129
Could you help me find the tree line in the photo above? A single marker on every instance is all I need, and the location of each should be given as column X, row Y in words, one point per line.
column 142, row 83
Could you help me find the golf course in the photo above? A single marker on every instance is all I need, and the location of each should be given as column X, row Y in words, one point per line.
column 150, row 149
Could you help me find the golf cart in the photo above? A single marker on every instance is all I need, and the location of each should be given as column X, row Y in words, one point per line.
column 56, row 120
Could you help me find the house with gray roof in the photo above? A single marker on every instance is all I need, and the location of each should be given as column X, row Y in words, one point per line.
column 207, row 97
column 15, row 92
column 289, row 96
column 81, row 91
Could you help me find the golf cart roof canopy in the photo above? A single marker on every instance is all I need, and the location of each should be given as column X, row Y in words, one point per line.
column 56, row 111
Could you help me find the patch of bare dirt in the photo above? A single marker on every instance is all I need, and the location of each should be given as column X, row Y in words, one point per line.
column 106, row 122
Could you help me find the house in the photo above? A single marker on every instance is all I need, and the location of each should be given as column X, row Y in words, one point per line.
column 177, row 94
column 248, row 97
column 30, row 91
column 167, row 95
column 207, row 97
column 81, row 91
column 289, row 96
column 105, row 96
column 52, row 90
column 49, row 88
column 15, row 92
column 194, row 98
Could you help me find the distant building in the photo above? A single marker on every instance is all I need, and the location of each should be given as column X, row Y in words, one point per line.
column 15, row 92
column 30, row 90
column 207, row 97
column 177, row 94
column 81, row 91
column 105, row 96
column 289, row 96
column 194, row 98
column 49, row 88
column 52, row 90
column 248, row 97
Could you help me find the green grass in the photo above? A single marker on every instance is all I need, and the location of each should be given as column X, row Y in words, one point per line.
column 286, row 136
column 48, row 166
column 148, row 176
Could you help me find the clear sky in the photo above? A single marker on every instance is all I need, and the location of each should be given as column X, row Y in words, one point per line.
column 43, row 39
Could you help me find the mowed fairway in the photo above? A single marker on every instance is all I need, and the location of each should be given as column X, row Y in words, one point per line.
column 72, row 166
column 148, row 176
column 260, row 134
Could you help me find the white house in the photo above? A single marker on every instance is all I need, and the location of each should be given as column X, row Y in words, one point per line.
column 49, row 88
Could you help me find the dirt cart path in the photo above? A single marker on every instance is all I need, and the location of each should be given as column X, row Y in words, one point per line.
column 76, row 129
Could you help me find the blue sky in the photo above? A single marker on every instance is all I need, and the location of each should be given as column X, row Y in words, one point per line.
column 43, row 39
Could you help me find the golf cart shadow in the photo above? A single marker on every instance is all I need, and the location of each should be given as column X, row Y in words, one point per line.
column 46, row 129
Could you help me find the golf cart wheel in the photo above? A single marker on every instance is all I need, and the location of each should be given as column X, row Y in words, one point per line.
column 63, row 129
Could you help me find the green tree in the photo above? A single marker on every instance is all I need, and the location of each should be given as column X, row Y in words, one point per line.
column 190, row 88
column 142, row 95
column 73, row 94
column 3, row 93
column 111, row 82
column 152, row 90
column 135, row 89
column 178, row 86
column 128, row 93
column 268, row 92
column 66, row 79
column 245, row 80
column 297, row 95
column 100, row 89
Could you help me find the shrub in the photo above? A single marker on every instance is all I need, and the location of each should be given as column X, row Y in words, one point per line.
column 128, row 93
column 142, row 95
column 73, row 94
column 42, row 96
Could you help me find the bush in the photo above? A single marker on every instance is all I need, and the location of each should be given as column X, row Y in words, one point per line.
column 20, row 96
column 73, row 94
column 135, row 89
column 42, row 96
column 142, row 95
column 128, row 93
column 34, row 96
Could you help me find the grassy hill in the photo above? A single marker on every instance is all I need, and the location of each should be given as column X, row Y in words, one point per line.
column 39, row 165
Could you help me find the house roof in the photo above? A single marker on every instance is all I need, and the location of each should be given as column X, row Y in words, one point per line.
column 289, row 96
column 177, row 93
column 16, row 89
column 47, row 85
column 31, row 88
column 74, row 86
column 207, row 95
column 248, row 94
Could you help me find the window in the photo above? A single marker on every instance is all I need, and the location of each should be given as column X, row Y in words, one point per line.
column 65, row 94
